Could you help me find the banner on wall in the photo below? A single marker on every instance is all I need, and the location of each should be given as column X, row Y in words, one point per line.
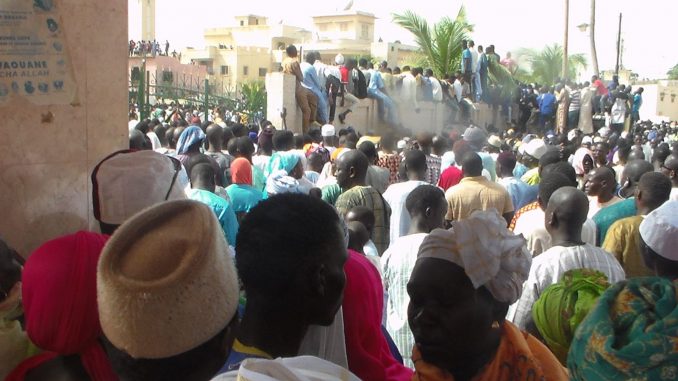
column 34, row 60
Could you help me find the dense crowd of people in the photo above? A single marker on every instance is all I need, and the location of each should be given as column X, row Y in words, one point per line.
column 143, row 48
column 244, row 251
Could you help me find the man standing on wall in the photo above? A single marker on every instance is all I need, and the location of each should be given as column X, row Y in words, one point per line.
column 305, row 98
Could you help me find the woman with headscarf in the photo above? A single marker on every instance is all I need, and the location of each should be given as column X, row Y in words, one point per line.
column 241, row 192
column 562, row 307
column 582, row 161
column 630, row 334
column 285, row 172
column 460, row 289
column 60, row 304
column 189, row 143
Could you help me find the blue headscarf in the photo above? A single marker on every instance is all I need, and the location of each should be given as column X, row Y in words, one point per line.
column 282, row 161
column 189, row 137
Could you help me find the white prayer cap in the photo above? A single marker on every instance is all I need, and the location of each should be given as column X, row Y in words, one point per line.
column 535, row 148
column 127, row 182
column 660, row 230
column 586, row 140
column 490, row 254
column 339, row 59
column 300, row 368
column 494, row 141
column 327, row 130
column 402, row 144
column 571, row 135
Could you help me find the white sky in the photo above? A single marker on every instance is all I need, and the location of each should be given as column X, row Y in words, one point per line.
column 648, row 27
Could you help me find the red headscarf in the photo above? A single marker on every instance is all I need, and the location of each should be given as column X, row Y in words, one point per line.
column 60, row 304
column 241, row 171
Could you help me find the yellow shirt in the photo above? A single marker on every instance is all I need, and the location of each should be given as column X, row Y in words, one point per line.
column 476, row 193
column 623, row 240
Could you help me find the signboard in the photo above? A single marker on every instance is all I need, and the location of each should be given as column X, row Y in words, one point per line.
column 34, row 60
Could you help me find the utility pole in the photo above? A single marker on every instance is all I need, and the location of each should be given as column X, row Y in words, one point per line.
column 616, row 67
column 592, row 24
column 565, row 39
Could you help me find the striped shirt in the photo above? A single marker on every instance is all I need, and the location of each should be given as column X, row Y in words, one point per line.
column 549, row 267
column 575, row 100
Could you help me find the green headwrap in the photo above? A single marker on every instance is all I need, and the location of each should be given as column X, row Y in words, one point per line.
column 631, row 334
column 563, row 305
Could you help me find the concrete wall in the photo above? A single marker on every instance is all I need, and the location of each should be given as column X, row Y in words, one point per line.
column 47, row 152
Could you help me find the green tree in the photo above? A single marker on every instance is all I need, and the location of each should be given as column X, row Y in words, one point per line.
column 673, row 73
column 253, row 95
column 546, row 64
column 440, row 43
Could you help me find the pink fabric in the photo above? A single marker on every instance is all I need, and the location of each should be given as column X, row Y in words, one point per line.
column 60, row 304
column 241, row 171
column 367, row 350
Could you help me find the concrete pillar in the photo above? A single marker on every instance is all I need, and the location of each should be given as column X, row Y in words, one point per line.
column 148, row 20
column 280, row 94
column 47, row 152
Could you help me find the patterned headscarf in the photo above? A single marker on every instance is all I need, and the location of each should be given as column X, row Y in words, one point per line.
column 630, row 334
column 241, row 171
column 563, row 305
column 490, row 254
column 60, row 302
column 190, row 136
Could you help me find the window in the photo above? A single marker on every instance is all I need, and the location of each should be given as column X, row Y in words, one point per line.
column 242, row 22
column 262, row 71
column 392, row 48
column 224, row 70
column 365, row 31
column 322, row 27
column 245, row 70
column 256, row 21
column 343, row 26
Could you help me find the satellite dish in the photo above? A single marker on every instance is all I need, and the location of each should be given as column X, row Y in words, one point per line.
column 349, row 5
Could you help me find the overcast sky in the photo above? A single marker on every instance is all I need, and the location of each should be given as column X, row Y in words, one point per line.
column 648, row 27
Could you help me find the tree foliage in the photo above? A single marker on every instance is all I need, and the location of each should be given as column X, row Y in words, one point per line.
column 673, row 73
column 440, row 43
column 546, row 64
column 253, row 95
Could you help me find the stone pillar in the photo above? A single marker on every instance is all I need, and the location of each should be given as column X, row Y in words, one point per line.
column 148, row 20
column 280, row 95
column 47, row 152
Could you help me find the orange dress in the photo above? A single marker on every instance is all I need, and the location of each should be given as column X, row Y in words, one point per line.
column 520, row 356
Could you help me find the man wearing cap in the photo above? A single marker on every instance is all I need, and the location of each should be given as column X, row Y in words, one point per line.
column 306, row 100
column 670, row 169
column 475, row 192
column 659, row 240
column 155, row 274
column 328, row 134
column 477, row 138
column 127, row 182
column 564, row 219
column 533, row 150
column 622, row 238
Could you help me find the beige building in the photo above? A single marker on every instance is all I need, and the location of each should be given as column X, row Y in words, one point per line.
column 252, row 47
column 660, row 100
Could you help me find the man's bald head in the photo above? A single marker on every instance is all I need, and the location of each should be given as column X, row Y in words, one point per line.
column 363, row 215
column 654, row 189
column 670, row 168
column 636, row 154
column 351, row 169
column 567, row 210
column 601, row 182
column 635, row 169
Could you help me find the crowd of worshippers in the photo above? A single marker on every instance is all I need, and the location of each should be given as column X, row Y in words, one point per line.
column 263, row 255
column 584, row 106
column 321, row 88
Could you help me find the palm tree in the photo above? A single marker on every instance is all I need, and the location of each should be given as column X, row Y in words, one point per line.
column 440, row 44
column 546, row 64
column 254, row 96
column 592, row 37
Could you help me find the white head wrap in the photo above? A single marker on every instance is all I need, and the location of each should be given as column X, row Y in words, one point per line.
column 280, row 182
column 490, row 254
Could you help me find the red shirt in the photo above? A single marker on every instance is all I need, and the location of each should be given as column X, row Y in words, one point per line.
column 344, row 74
column 601, row 89
column 450, row 177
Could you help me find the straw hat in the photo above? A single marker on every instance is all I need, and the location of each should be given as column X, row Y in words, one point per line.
column 166, row 283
